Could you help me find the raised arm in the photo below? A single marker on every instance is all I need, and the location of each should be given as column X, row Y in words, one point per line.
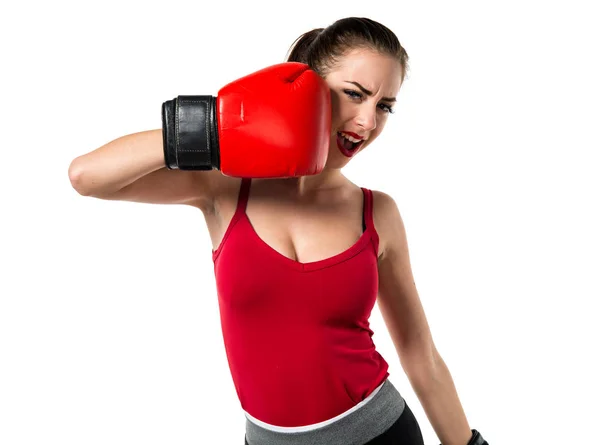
column 272, row 123
column 132, row 168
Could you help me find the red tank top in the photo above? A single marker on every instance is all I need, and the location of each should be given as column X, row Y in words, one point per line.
column 297, row 335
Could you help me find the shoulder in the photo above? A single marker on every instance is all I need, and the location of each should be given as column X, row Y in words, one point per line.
column 385, row 209
column 388, row 222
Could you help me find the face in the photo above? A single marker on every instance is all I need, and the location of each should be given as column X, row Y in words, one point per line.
column 364, row 85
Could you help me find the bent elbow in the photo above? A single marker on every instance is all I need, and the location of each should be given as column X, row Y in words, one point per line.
column 76, row 177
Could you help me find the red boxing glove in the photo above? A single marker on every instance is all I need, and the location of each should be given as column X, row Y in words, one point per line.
column 275, row 122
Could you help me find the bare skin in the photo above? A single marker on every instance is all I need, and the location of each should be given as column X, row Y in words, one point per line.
column 305, row 229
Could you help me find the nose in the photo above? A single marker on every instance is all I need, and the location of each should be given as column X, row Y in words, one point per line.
column 367, row 117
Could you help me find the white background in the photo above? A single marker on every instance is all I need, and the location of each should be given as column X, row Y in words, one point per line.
column 109, row 329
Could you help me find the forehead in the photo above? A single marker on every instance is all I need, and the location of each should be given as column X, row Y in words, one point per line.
column 375, row 71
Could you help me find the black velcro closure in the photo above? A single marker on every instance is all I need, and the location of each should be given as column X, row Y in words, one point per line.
column 189, row 133
column 192, row 127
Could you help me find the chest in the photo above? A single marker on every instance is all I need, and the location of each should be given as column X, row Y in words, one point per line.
column 289, row 260
column 302, row 232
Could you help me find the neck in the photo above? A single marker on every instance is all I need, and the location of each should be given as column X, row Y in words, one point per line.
column 306, row 185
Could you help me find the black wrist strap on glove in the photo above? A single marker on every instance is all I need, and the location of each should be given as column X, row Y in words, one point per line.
column 190, row 134
column 476, row 439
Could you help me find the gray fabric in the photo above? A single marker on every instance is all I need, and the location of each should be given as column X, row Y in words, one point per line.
column 357, row 428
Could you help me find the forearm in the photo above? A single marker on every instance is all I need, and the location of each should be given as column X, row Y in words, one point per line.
column 433, row 385
column 118, row 163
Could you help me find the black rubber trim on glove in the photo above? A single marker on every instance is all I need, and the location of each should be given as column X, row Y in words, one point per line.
column 476, row 439
column 190, row 133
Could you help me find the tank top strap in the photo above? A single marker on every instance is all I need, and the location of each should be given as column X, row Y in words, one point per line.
column 368, row 208
column 243, row 196
column 240, row 210
column 368, row 217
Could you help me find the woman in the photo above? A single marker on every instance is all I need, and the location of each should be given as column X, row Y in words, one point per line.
column 312, row 254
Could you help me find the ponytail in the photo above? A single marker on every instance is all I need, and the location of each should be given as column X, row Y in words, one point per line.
column 300, row 48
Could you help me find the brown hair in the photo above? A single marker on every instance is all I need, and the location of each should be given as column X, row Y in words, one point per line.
column 321, row 47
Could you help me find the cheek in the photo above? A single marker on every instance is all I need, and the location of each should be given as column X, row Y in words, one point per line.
column 381, row 121
column 375, row 133
column 379, row 128
column 335, row 106
column 341, row 110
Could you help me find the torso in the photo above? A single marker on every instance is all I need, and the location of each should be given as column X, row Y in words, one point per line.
column 295, row 307
column 307, row 230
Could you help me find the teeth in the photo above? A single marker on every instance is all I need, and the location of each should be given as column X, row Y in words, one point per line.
column 350, row 138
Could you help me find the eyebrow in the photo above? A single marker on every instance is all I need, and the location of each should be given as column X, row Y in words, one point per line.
column 370, row 93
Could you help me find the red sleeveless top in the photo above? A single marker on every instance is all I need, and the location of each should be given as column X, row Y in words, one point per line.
column 297, row 335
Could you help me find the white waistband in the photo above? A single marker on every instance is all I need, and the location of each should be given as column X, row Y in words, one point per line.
column 299, row 429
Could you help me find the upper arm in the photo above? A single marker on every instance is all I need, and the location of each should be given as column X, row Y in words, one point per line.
column 164, row 186
column 398, row 299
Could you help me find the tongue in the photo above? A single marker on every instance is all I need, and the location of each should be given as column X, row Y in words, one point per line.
column 348, row 145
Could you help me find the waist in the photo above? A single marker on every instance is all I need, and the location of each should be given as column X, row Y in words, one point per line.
column 291, row 396
column 359, row 424
column 305, row 379
column 314, row 426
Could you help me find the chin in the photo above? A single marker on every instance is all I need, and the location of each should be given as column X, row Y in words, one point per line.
column 335, row 159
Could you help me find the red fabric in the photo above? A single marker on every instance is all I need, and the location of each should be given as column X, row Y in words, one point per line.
column 297, row 335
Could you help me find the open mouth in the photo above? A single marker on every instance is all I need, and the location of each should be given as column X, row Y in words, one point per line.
column 347, row 144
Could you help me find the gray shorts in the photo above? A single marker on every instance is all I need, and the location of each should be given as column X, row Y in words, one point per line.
column 356, row 428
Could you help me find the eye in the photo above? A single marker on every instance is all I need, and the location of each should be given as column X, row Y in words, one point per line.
column 353, row 94
column 387, row 108
column 356, row 95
